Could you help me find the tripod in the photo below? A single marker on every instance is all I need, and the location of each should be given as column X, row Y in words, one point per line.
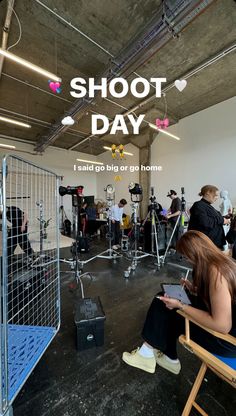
column 180, row 221
column 152, row 215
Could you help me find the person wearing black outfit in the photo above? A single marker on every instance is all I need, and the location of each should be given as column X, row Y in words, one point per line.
column 231, row 236
column 83, row 218
column 172, row 215
column 213, row 304
column 18, row 233
column 205, row 218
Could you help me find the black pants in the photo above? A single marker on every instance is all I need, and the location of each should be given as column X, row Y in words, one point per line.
column 115, row 229
column 234, row 251
column 15, row 237
column 163, row 327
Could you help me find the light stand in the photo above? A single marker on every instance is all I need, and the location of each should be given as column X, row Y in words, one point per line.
column 110, row 253
column 42, row 259
column 136, row 255
column 180, row 220
column 75, row 264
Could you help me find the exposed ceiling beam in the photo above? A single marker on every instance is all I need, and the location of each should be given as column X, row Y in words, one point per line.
column 5, row 30
column 156, row 34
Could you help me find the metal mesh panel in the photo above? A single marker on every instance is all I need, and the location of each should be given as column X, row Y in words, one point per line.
column 30, row 270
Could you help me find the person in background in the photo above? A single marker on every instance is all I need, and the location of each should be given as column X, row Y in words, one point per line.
column 18, row 233
column 126, row 226
column 205, row 218
column 116, row 221
column 173, row 214
column 226, row 210
column 83, row 218
column 213, row 304
column 225, row 205
column 231, row 235
column 92, row 223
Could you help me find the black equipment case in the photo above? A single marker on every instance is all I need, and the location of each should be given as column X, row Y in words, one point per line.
column 82, row 245
column 89, row 321
column 25, row 289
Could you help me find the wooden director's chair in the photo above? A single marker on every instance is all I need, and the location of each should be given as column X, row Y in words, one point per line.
column 223, row 367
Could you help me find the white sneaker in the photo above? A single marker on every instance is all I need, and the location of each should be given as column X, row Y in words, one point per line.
column 162, row 361
column 115, row 247
column 137, row 360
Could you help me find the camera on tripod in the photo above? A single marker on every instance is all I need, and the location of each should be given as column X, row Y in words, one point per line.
column 154, row 205
column 153, row 200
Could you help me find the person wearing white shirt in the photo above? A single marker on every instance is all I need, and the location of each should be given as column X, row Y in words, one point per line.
column 116, row 221
column 225, row 209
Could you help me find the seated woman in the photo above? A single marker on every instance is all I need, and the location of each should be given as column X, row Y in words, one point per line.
column 213, row 298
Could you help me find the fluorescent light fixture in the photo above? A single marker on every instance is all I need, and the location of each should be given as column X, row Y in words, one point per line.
column 7, row 146
column 90, row 161
column 153, row 126
column 29, row 65
column 11, row 121
column 125, row 153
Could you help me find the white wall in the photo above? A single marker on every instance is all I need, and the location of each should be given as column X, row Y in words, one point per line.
column 62, row 163
column 206, row 154
column 121, row 187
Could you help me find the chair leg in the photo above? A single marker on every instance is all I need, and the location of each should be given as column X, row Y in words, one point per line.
column 195, row 389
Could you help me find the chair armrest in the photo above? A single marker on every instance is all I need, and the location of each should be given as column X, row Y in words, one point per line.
column 226, row 337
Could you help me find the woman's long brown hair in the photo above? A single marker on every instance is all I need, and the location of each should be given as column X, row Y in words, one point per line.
column 203, row 254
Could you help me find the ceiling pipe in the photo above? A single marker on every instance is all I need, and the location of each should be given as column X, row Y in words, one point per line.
column 36, row 87
column 5, row 31
column 46, row 124
column 137, row 52
column 16, row 139
column 26, row 141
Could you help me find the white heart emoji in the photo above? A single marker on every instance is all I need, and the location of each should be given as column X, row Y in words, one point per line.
column 180, row 84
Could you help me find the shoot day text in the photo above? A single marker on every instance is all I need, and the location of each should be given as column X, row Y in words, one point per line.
column 118, row 88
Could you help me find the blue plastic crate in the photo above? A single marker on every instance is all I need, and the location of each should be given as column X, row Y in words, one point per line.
column 26, row 344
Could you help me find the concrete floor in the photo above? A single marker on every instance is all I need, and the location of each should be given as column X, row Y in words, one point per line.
column 96, row 381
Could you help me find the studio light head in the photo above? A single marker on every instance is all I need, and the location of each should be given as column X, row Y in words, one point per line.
column 109, row 189
column 135, row 188
column 71, row 190
column 110, row 192
column 136, row 192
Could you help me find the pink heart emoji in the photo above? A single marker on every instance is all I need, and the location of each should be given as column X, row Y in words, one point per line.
column 54, row 86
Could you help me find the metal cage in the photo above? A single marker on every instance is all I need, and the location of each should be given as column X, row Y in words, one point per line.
column 29, row 301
